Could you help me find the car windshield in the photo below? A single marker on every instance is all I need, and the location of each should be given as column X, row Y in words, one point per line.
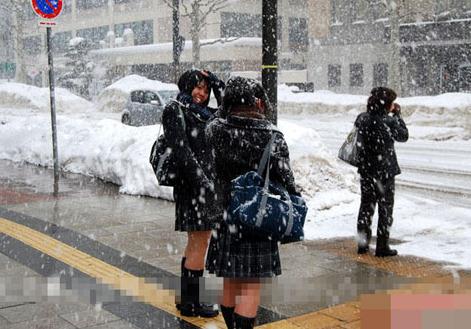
column 167, row 95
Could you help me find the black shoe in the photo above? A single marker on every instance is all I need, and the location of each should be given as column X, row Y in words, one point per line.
column 385, row 252
column 202, row 310
column 241, row 322
column 363, row 250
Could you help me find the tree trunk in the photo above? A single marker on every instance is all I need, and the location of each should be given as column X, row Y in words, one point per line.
column 195, row 37
column 20, row 72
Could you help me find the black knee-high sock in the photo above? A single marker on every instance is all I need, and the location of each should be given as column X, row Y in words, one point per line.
column 228, row 314
column 242, row 322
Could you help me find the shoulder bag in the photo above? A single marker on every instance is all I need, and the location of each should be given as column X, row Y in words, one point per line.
column 265, row 208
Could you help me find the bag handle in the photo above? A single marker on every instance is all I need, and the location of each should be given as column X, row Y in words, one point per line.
column 265, row 163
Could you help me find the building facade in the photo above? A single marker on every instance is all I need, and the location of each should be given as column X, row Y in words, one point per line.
column 105, row 22
column 429, row 41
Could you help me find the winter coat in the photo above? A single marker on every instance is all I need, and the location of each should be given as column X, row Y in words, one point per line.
column 377, row 133
column 239, row 144
column 193, row 193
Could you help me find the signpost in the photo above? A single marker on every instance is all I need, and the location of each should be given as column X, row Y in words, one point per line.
column 50, row 9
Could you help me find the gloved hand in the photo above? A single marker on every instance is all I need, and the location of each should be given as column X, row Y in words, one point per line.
column 216, row 85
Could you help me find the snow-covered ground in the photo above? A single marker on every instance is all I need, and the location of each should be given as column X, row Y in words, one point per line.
column 99, row 145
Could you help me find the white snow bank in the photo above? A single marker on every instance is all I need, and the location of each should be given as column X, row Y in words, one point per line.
column 104, row 148
column 113, row 98
column 451, row 109
column 22, row 96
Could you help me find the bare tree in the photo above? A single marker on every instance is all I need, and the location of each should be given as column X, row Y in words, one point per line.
column 17, row 9
column 198, row 11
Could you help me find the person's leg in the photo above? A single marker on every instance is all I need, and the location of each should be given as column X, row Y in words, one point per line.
column 385, row 217
column 192, row 271
column 365, row 213
column 230, row 291
column 196, row 248
column 247, row 303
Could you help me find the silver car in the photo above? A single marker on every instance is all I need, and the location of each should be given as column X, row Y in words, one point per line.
column 144, row 107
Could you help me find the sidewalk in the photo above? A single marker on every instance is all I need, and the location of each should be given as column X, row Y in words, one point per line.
column 90, row 233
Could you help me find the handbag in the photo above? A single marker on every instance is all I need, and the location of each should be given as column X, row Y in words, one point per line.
column 350, row 149
column 162, row 158
column 264, row 208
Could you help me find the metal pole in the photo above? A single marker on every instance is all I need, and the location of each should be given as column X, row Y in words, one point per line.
column 53, row 112
column 270, row 54
column 176, row 39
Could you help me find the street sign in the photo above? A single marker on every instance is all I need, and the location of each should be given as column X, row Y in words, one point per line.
column 47, row 8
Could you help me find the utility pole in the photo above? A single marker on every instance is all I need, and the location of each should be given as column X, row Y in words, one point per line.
column 270, row 54
column 395, row 12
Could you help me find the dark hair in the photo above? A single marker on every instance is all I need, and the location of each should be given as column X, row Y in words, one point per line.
column 380, row 99
column 190, row 79
column 242, row 91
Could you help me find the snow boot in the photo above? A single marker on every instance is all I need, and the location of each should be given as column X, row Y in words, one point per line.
column 383, row 249
column 241, row 322
column 190, row 305
column 228, row 314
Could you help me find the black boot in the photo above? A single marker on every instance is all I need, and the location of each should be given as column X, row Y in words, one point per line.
column 190, row 304
column 184, row 275
column 228, row 314
column 241, row 322
column 383, row 249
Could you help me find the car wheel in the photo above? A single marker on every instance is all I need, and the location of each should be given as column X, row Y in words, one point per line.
column 126, row 119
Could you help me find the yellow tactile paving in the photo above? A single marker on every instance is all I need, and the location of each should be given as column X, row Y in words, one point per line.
column 344, row 316
column 129, row 284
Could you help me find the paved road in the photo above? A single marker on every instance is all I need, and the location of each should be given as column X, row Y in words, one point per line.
column 436, row 169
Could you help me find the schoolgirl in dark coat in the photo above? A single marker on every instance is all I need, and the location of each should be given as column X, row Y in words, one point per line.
column 378, row 167
column 239, row 141
column 195, row 205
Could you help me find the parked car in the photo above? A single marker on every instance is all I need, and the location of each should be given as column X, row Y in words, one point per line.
column 144, row 107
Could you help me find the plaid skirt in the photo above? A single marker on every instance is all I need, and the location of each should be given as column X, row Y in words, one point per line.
column 190, row 214
column 246, row 258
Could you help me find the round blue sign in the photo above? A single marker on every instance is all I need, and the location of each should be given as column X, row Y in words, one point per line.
column 47, row 8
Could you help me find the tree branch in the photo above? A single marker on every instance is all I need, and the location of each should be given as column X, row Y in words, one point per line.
column 221, row 40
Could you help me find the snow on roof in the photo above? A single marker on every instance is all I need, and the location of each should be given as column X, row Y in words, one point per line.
column 168, row 46
column 113, row 98
column 19, row 95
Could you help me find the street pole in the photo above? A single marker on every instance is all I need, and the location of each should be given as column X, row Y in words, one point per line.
column 176, row 39
column 270, row 54
column 53, row 111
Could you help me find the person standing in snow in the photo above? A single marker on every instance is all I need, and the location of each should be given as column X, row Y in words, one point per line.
column 239, row 140
column 195, row 201
column 379, row 127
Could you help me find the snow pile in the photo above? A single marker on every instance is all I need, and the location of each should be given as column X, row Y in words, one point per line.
column 450, row 109
column 104, row 148
column 113, row 98
column 22, row 96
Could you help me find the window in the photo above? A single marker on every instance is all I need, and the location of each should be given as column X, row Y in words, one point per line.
column 380, row 75
column 143, row 31
column 337, row 11
column 90, row 4
column 94, row 35
column 356, row 75
column 32, row 45
column 334, row 75
column 240, row 25
column 379, row 10
column 360, row 10
column 60, row 42
column 298, row 34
